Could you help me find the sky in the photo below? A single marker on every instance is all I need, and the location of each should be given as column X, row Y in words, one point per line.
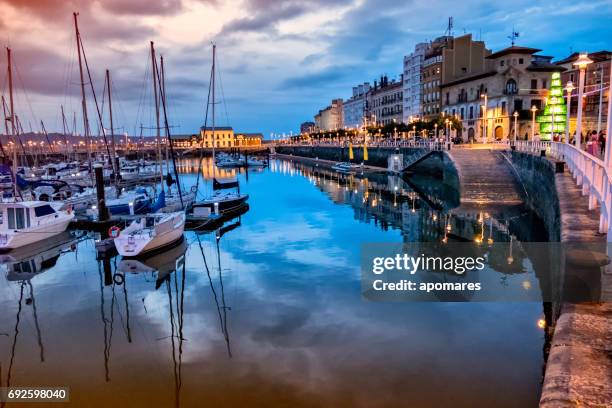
column 279, row 61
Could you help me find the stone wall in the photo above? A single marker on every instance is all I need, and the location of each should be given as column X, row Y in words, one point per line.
column 537, row 174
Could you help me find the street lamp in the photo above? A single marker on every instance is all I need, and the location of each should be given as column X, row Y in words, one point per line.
column 582, row 62
column 436, row 131
column 533, row 112
column 484, row 117
column 516, row 115
column 447, row 131
column 569, row 88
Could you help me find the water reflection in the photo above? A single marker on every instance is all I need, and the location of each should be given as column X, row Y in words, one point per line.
column 267, row 311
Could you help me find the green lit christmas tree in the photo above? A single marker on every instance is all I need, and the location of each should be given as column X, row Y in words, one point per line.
column 552, row 120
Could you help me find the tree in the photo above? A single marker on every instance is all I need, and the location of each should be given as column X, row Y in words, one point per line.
column 555, row 111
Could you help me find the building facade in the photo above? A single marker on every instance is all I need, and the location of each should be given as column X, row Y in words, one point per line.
column 224, row 137
column 355, row 107
column 385, row 101
column 514, row 80
column 330, row 118
column 307, row 127
column 597, row 73
column 431, row 77
column 413, row 64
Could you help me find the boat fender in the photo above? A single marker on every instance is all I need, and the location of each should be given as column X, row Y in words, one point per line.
column 114, row 231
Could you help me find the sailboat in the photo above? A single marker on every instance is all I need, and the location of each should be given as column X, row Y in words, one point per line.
column 220, row 202
column 153, row 232
column 26, row 222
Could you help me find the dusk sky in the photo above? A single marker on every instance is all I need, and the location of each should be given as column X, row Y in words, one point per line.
column 280, row 61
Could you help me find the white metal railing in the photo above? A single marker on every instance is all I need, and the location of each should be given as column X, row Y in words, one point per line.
column 425, row 144
column 589, row 172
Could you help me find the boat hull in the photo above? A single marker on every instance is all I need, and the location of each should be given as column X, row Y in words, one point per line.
column 13, row 240
column 131, row 248
column 226, row 205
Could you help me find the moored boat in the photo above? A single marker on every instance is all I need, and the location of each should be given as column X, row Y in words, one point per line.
column 150, row 233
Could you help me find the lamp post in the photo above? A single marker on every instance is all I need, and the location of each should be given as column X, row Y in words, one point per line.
column 600, row 99
column 582, row 62
column 608, row 155
column 436, row 131
column 569, row 88
column 447, row 130
column 484, row 117
column 533, row 112
column 516, row 115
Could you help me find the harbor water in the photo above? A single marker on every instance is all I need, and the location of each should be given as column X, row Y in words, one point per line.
column 268, row 311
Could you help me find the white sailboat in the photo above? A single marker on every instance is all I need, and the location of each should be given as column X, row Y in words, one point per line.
column 150, row 233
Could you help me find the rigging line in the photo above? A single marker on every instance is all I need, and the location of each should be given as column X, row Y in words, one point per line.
column 163, row 100
column 96, row 102
column 25, row 92
column 222, row 92
column 202, row 141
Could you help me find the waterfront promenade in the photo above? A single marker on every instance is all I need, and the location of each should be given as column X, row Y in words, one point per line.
column 579, row 364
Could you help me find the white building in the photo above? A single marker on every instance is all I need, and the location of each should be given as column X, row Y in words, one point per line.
column 355, row 107
column 385, row 101
column 330, row 118
column 412, row 82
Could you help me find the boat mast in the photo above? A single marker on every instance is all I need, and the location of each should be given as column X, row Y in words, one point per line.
column 213, row 108
column 64, row 129
column 110, row 113
column 6, row 129
column 12, row 112
column 163, row 91
column 83, row 98
column 154, row 70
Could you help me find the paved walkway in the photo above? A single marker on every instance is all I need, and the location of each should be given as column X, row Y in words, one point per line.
column 579, row 367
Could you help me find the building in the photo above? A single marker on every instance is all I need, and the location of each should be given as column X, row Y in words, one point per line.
column 413, row 63
column 596, row 73
column 385, row 101
column 431, row 78
column 330, row 118
column 462, row 56
column 307, row 127
column 355, row 107
column 248, row 139
column 510, row 80
column 224, row 136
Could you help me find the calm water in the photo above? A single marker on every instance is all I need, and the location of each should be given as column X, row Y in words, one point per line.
column 273, row 316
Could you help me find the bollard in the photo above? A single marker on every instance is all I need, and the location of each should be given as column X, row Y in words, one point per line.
column 542, row 153
column 102, row 210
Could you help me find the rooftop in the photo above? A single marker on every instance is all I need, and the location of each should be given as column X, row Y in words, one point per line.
column 216, row 128
column 515, row 49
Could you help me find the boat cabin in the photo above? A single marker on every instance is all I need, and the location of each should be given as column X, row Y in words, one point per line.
column 24, row 215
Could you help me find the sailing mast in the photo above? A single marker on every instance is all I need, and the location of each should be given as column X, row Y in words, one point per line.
column 213, row 109
column 12, row 112
column 154, row 71
column 64, row 129
column 6, row 129
column 84, row 99
column 112, row 129
column 163, row 91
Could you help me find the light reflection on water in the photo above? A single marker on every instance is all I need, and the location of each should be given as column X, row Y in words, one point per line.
column 273, row 316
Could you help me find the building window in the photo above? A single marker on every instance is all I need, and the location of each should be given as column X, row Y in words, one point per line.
column 521, row 61
column 501, row 63
column 511, row 87
column 534, row 85
column 544, row 84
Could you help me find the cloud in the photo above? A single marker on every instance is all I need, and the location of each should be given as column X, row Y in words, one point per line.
column 325, row 77
column 265, row 14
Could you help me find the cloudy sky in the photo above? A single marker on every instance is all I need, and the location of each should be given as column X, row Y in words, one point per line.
column 280, row 60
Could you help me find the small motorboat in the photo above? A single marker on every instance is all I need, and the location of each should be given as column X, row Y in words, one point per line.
column 150, row 233
column 344, row 167
column 27, row 222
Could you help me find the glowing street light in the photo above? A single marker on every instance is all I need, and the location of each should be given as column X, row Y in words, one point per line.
column 516, row 115
column 582, row 62
column 533, row 115
column 569, row 88
column 484, row 117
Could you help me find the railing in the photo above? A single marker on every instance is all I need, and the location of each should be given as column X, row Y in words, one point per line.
column 423, row 144
column 589, row 172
